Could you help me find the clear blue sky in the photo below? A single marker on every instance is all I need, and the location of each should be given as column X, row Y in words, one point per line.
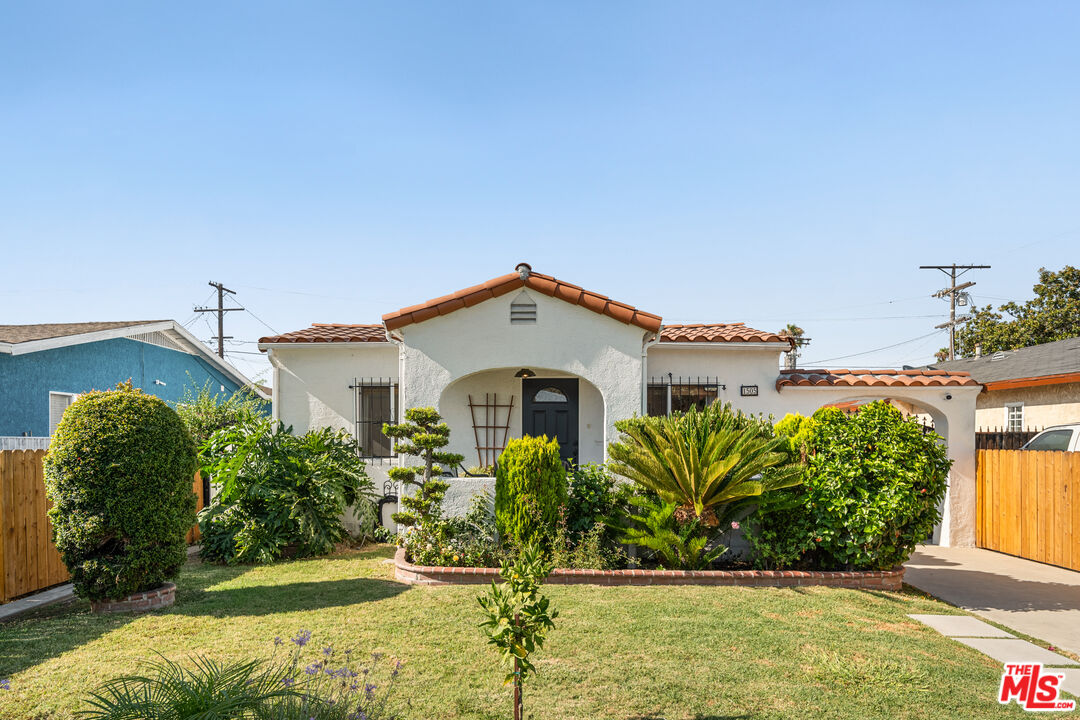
column 757, row 162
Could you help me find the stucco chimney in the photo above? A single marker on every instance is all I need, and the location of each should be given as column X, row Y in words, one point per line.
column 978, row 350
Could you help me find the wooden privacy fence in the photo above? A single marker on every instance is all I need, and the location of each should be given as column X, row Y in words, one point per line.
column 1028, row 504
column 28, row 559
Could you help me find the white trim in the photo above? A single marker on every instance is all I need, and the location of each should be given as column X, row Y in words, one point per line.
column 1009, row 406
column 73, row 397
column 64, row 341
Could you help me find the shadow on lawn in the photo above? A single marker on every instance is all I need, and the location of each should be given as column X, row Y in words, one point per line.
column 270, row 599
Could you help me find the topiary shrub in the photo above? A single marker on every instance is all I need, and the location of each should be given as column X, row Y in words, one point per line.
column 119, row 475
column 873, row 484
column 530, row 487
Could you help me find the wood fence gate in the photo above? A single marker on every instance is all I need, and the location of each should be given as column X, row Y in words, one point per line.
column 28, row 559
column 1028, row 504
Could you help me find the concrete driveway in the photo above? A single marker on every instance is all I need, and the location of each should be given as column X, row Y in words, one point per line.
column 1038, row 600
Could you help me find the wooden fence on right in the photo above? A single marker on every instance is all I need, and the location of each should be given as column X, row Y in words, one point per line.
column 1028, row 505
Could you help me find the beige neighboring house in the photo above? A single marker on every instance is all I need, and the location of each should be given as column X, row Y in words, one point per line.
column 1027, row 389
column 529, row 354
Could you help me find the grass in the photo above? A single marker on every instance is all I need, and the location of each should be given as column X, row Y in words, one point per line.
column 634, row 653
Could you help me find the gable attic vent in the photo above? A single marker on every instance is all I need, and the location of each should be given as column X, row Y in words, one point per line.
column 522, row 310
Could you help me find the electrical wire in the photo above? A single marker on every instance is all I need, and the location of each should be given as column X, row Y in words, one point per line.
column 868, row 352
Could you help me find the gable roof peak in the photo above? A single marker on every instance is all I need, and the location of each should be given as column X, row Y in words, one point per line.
column 523, row 278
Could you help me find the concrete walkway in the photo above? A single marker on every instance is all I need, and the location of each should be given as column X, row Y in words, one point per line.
column 1038, row 600
column 24, row 605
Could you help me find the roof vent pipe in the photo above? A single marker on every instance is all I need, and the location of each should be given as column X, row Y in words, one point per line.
column 524, row 270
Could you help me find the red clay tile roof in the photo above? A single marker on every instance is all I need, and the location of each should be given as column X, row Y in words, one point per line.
column 503, row 284
column 331, row 333
column 720, row 332
column 873, row 378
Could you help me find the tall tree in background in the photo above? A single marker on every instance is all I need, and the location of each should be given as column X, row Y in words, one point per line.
column 1053, row 314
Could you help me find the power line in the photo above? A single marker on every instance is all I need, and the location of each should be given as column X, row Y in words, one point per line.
column 867, row 352
column 953, row 292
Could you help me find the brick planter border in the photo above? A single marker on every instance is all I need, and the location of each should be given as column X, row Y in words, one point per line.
column 161, row 597
column 893, row 579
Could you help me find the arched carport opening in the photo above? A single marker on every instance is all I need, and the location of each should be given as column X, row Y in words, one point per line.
column 947, row 398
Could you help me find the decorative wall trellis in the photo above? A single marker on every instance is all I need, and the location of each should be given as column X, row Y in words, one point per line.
column 491, row 434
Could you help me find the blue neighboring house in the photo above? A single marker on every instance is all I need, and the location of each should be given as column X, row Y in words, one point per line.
column 43, row 368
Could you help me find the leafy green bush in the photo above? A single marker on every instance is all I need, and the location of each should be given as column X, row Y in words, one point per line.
column 590, row 497
column 590, row 550
column 334, row 686
column 205, row 412
column 279, row 492
column 873, row 484
column 119, row 474
column 530, row 487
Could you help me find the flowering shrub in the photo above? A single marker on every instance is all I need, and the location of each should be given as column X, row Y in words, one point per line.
column 463, row 542
column 292, row 685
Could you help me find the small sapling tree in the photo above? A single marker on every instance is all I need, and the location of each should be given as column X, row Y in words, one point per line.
column 421, row 435
column 518, row 617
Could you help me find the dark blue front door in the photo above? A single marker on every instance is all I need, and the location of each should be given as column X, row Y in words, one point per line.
column 550, row 407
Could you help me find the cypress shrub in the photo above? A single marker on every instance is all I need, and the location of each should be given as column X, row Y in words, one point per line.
column 119, row 474
column 530, row 487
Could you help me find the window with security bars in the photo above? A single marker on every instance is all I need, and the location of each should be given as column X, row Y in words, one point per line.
column 665, row 396
column 376, row 403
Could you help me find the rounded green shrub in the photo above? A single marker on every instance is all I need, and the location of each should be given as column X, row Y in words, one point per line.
column 530, row 487
column 872, row 490
column 119, row 474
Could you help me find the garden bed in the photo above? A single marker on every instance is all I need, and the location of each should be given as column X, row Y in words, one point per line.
column 893, row 579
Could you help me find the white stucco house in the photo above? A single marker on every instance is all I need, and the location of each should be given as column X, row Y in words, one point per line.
column 529, row 354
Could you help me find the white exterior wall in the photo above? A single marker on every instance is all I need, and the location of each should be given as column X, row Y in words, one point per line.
column 1044, row 405
column 565, row 340
column 736, row 364
column 311, row 388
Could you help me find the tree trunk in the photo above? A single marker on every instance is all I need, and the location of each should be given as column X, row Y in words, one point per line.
column 519, row 712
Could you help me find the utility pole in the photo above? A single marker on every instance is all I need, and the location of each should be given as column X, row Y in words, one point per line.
column 952, row 292
column 220, row 310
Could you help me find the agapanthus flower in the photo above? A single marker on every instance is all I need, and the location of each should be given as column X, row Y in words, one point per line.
column 302, row 638
column 288, row 682
column 277, row 640
column 312, row 669
column 328, row 651
column 5, row 684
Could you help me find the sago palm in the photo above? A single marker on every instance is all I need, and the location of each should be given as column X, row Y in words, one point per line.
column 710, row 464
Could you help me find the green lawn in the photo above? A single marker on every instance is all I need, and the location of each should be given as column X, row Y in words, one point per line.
column 640, row 652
